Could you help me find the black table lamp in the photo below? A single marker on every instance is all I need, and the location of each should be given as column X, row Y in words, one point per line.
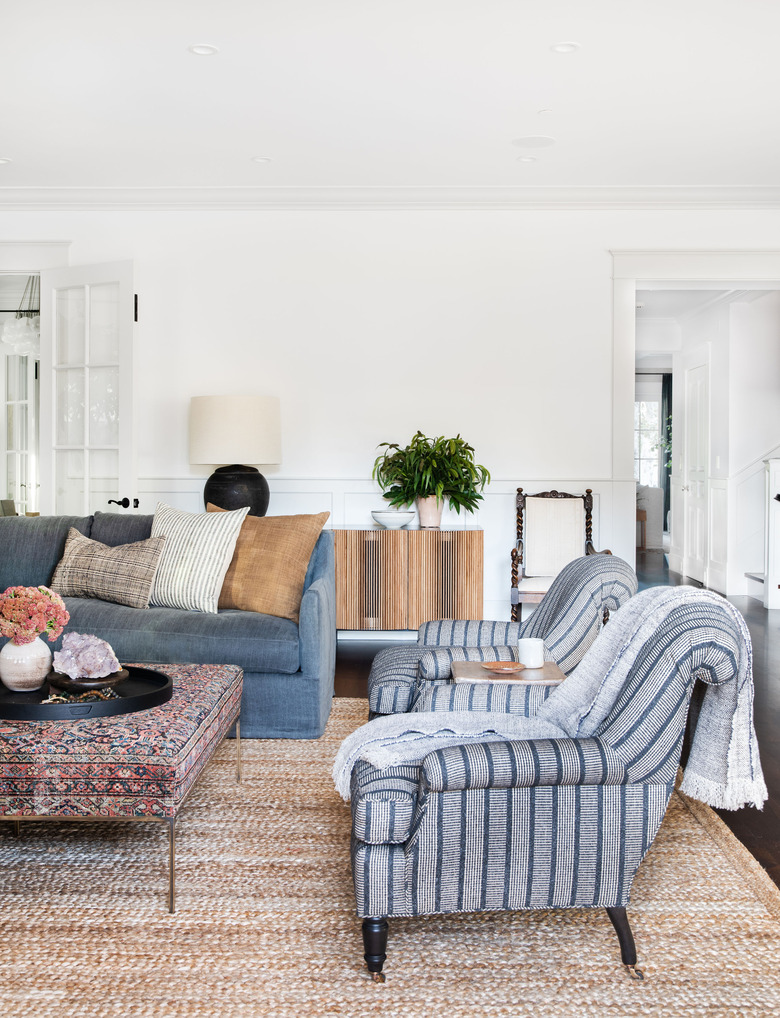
column 225, row 429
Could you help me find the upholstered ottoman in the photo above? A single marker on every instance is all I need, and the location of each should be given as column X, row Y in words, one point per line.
column 138, row 766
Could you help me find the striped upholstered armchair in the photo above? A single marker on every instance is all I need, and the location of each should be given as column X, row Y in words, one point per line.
column 480, row 811
column 568, row 619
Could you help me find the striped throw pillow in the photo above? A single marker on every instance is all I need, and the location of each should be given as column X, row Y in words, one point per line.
column 197, row 553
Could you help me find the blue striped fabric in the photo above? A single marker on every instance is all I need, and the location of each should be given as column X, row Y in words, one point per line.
column 467, row 633
column 436, row 663
column 502, row 697
column 568, row 619
column 570, row 616
column 546, row 823
column 523, row 764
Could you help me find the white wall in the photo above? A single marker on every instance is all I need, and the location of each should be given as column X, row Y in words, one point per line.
column 754, row 431
column 369, row 325
column 754, row 380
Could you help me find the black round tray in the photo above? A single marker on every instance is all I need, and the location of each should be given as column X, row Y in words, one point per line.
column 143, row 689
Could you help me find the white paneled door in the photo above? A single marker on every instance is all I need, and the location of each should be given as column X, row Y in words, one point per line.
column 695, row 488
column 87, row 446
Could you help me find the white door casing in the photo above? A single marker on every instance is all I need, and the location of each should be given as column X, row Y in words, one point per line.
column 696, row 471
column 87, row 435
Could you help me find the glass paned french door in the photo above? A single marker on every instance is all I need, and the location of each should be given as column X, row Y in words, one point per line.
column 87, row 448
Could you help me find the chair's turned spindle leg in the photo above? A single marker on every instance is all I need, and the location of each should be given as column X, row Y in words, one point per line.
column 619, row 919
column 374, row 944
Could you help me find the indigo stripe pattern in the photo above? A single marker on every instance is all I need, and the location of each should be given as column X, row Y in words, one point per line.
column 568, row 619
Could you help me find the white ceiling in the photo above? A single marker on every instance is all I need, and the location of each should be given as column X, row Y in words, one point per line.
column 675, row 304
column 398, row 101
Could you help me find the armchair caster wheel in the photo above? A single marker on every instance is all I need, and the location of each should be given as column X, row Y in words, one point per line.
column 635, row 973
column 378, row 977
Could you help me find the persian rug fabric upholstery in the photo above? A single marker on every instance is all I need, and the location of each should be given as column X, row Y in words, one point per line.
column 132, row 765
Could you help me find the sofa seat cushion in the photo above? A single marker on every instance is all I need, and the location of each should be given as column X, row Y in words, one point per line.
column 257, row 643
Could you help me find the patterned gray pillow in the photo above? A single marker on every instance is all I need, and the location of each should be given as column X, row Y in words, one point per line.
column 196, row 557
column 123, row 574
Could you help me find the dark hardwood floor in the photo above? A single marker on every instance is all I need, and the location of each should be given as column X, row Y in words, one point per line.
column 758, row 830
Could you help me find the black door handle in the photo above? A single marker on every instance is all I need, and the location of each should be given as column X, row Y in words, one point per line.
column 124, row 502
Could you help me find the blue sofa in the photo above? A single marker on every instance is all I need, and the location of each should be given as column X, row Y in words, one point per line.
column 288, row 667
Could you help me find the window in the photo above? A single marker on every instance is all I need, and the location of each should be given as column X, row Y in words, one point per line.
column 647, row 438
column 648, row 415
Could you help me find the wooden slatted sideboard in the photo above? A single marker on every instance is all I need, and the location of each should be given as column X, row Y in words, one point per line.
column 398, row 579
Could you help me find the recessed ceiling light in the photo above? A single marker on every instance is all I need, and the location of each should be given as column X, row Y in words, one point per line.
column 3, row 161
column 262, row 159
column 526, row 159
column 202, row 49
column 534, row 141
column 565, row 47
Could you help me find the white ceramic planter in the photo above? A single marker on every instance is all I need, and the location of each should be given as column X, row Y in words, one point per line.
column 24, row 667
column 430, row 510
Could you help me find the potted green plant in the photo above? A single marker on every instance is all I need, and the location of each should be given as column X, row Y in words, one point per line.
column 428, row 471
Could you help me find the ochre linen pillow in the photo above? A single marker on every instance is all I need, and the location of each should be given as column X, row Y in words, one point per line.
column 123, row 574
column 197, row 553
column 270, row 562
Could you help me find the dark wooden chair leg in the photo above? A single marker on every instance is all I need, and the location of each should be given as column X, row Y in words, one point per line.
column 619, row 919
column 375, row 943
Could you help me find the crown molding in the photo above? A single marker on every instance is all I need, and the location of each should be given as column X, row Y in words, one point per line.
column 55, row 199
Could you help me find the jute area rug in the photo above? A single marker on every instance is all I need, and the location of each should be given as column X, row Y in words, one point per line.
column 265, row 920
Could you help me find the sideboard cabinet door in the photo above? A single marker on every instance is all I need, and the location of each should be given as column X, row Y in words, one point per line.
column 445, row 575
column 371, row 579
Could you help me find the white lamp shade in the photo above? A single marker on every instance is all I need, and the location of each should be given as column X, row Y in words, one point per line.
column 235, row 429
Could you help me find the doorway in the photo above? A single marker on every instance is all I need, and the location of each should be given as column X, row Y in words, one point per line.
column 20, row 388
column 707, row 528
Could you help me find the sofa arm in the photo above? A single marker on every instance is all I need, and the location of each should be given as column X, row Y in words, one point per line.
column 522, row 764
column 317, row 629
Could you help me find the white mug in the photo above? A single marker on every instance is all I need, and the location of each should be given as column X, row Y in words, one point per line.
column 530, row 652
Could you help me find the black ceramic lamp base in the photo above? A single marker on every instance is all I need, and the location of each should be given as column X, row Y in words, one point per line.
column 235, row 486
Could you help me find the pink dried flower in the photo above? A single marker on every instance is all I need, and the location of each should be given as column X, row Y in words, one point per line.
column 28, row 612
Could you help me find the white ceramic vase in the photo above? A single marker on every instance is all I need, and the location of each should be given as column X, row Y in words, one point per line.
column 430, row 510
column 23, row 667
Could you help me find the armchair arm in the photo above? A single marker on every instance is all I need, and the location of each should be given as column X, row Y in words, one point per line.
column 522, row 764
column 436, row 662
column 503, row 697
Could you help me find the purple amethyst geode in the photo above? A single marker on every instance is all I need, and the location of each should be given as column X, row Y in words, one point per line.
column 85, row 657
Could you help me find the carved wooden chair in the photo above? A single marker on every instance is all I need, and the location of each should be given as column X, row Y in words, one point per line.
column 553, row 528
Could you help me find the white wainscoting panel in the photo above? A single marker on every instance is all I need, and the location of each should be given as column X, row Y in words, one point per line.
column 350, row 501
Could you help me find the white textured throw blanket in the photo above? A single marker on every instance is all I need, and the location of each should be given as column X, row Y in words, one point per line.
column 723, row 768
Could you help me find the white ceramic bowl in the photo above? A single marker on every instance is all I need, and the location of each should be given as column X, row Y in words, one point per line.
column 393, row 519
